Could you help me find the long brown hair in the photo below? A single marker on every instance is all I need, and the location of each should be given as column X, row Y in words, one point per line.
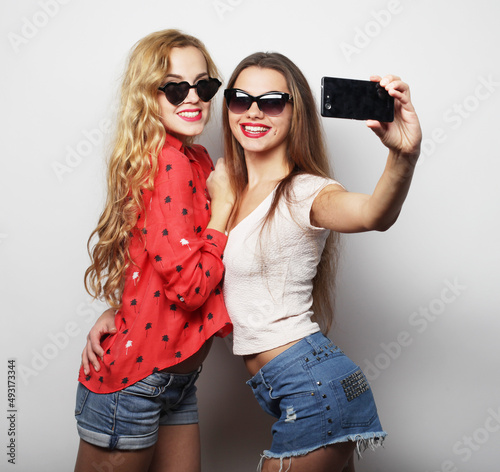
column 133, row 163
column 306, row 154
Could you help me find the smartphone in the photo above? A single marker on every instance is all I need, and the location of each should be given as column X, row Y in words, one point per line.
column 355, row 99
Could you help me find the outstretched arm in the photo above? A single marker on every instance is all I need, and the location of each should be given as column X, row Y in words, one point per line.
column 349, row 212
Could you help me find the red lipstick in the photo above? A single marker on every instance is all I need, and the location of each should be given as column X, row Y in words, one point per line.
column 254, row 130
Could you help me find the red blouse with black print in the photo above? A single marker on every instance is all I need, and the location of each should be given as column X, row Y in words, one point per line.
column 172, row 301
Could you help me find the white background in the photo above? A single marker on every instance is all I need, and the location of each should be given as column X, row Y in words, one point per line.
column 417, row 306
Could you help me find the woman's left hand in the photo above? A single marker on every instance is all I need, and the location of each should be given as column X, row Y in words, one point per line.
column 403, row 135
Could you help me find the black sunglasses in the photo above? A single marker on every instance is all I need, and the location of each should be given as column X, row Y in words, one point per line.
column 270, row 103
column 176, row 92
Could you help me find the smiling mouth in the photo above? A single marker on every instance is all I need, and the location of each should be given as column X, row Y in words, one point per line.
column 254, row 131
column 190, row 115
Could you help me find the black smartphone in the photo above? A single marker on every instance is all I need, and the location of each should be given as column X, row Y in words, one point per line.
column 355, row 99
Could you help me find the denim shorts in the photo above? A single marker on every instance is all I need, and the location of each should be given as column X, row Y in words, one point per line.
column 130, row 418
column 319, row 396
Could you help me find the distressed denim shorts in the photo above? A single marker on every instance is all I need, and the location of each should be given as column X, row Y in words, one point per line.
column 130, row 418
column 319, row 396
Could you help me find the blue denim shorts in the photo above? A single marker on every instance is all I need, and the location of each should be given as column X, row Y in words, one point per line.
column 319, row 396
column 130, row 418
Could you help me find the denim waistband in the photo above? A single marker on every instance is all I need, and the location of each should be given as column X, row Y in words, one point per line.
column 163, row 377
column 310, row 345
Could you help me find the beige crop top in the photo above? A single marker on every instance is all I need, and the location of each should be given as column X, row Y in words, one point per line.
column 269, row 273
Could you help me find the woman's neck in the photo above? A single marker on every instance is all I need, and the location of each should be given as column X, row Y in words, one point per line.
column 265, row 168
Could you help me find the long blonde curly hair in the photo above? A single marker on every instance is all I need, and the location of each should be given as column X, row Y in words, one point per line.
column 133, row 162
column 306, row 153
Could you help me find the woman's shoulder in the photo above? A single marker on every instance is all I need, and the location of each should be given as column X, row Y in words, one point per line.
column 201, row 155
column 199, row 150
column 309, row 184
column 183, row 156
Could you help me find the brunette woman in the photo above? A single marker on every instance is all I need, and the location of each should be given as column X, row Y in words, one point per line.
column 279, row 259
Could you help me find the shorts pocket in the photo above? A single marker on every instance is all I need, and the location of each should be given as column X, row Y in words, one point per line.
column 354, row 398
column 292, row 382
column 138, row 409
column 143, row 389
column 262, row 393
column 82, row 393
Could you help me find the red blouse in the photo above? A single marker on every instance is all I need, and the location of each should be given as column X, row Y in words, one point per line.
column 172, row 301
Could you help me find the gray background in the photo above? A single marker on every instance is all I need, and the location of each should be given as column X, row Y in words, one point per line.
column 417, row 306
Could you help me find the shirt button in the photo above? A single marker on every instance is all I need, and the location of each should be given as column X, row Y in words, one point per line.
column 254, row 385
column 181, row 299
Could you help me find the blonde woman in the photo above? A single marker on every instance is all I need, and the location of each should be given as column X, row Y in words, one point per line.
column 158, row 262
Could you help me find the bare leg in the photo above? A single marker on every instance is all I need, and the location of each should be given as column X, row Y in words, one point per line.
column 333, row 458
column 97, row 459
column 177, row 449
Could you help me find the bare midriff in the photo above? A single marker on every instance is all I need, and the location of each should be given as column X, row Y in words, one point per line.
column 255, row 362
column 191, row 363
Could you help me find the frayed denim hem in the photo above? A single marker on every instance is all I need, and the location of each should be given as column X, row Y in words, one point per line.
column 363, row 442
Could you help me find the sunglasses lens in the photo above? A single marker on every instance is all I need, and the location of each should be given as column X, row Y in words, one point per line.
column 207, row 89
column 238, row 102
column 272, row 105
column 176, row 93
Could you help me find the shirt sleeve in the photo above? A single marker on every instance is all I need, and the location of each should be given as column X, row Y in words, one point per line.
column 187, row 256
column 306, row 188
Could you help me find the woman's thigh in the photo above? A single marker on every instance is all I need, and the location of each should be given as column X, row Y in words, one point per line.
column 177, row 449
column 333, row 458
column 92, row 458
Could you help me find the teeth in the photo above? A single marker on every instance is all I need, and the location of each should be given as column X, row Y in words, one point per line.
column 189, row 114
column 255, row 129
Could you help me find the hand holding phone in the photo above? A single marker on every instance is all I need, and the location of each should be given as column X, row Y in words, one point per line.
column 355, row 99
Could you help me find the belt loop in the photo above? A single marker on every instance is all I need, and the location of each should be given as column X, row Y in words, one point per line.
column 195, row 375
column 170, row 380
